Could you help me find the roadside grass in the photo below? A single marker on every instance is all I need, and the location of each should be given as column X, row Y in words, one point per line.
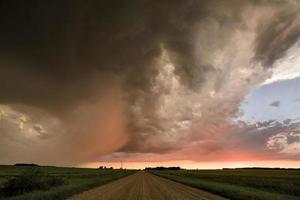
column 241, row 184
column 64, row 182
column 30, row 180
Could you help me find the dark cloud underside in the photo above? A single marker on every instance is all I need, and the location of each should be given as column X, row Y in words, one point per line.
column 159, row 70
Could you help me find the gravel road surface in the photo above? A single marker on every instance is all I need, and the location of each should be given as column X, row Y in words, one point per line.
column 145, row 186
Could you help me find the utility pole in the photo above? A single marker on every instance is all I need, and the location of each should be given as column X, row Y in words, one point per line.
column 121, row 164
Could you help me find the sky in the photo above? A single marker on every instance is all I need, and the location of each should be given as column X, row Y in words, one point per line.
column 197, row 84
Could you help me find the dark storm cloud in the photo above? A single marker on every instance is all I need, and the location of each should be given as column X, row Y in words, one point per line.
column 52, row 50
column 277, row 35
column 91, row 63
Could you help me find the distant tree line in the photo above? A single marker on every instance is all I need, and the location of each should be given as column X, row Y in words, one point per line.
column 261, row 168
column 104, row 167
column 26, row 165
column 162, row 168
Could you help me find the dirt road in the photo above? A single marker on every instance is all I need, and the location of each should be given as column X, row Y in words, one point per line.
column 145, row 186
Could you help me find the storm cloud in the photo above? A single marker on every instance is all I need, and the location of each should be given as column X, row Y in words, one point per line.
column 90, row 78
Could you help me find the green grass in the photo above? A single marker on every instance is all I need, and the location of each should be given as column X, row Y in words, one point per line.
column 241, row 184
column 75, row 180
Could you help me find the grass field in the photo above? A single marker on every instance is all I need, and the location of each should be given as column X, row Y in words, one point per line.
column 241, row 184
column 70, row 181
